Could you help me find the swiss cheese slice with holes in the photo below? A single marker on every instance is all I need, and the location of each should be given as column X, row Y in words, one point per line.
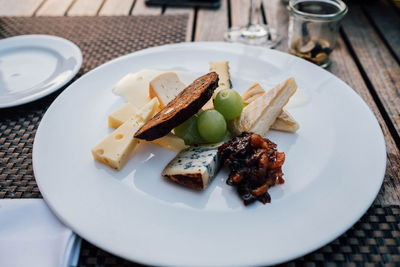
column 285, row 121
column 260, row 114
column 116, row 148
column 222, row 69
column 170, row 141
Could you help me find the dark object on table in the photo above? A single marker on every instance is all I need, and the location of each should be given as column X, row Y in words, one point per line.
column 185, row 3
column 255, row 166
column 181, row 108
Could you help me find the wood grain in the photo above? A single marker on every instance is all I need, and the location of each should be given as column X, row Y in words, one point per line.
column 183, row 11
column 85, row 8
column 379, row 65
column 116, row 7
column 212, row 24
column 387, row 21
column 54, row 8
column 345, row 68
column 19, row 7
column 240, row 12
column 140, row 8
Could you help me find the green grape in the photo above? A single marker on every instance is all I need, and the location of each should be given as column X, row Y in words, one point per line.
column 211, row 125
column 229, row 103
column 188, row 131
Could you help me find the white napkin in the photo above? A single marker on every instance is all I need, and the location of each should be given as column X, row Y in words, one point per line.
column 30, row 235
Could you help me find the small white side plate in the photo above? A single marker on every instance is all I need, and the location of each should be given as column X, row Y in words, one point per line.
column 33, row 66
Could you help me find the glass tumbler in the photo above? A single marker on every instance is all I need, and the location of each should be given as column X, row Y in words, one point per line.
column 313, row 28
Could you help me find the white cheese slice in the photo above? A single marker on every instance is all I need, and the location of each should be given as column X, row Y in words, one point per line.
column 259, row 115
column 165, row 87
column 116, row 148
column 194, row 167
column 134, row 87
column 285, row 121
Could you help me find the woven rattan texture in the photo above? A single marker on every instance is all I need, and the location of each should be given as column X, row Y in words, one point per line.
column 374, row 239
column 100, row 39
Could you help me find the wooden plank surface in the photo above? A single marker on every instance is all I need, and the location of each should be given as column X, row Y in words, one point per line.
column 345, row 68
column 140, row 8
column 183, row 11
column 19, row 7
column 387, row 21
column 379, row 65
column 240, row 10
column 116, row 7
column 211, row 25
column 85, row 8
column 54, row 8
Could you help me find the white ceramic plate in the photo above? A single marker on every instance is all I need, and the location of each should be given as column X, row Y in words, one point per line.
column 334, row 168
column 33, row 66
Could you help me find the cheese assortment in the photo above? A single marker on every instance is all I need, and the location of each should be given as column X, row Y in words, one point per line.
column 116, row 148
column 148, row 92
column 194, row 167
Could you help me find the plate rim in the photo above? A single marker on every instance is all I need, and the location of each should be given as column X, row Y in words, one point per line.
column 210, row 45
column 76, row 53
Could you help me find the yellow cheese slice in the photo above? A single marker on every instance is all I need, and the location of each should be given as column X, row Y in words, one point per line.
column 116, row 148
column 118, row 117
column 222, row 69
column 170, row 141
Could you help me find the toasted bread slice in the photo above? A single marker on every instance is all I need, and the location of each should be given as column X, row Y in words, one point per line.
column 165, row 87
column 259, row 115
column 285, row 121
column 181, row 108
column 222, row 69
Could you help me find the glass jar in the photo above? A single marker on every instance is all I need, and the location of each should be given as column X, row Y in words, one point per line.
column 313, row 28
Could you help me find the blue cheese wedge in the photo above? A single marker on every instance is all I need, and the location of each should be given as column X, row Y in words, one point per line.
column 194, row 167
